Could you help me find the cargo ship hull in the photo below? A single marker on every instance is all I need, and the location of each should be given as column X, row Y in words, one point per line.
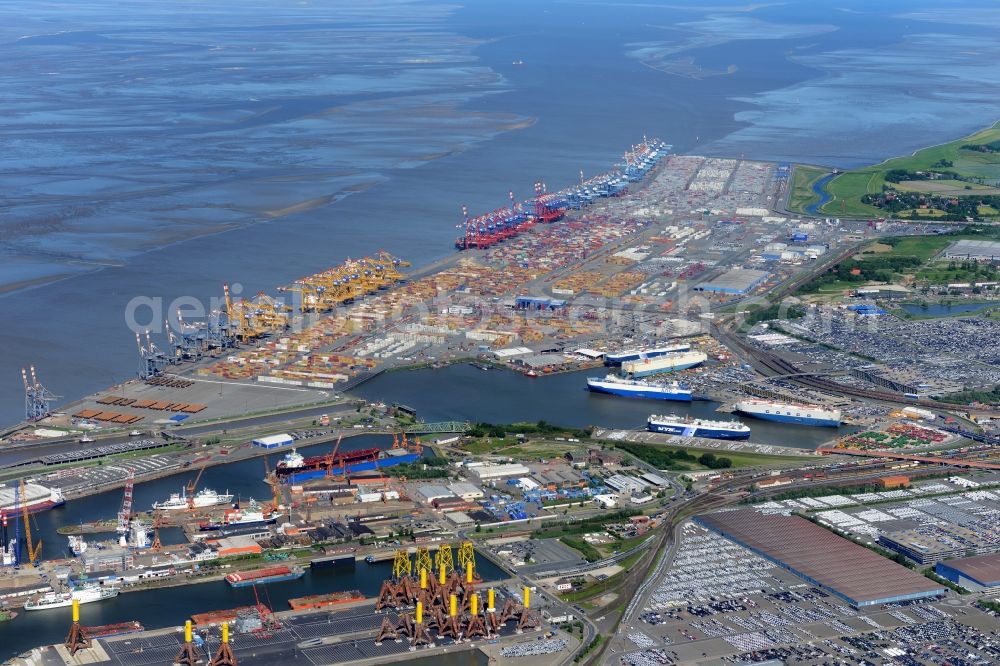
column 325, row 600
column 264, row 576
column 672, row 362
column 797, row 414
column 35, row 498
column 364, row 466
column 709, row 430
column 638, row 390
column 625, row 357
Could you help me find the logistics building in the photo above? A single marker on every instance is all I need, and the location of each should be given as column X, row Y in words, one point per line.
column 488, row 471
column 625, row 484
column 973, row 573
column 736, row 281
column 848, row 571
column 978, row 250
column 273, row 441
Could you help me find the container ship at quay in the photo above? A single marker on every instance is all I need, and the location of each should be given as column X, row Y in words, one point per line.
column 261, row 576
column 545, row 207
column 783, row 412
column 30, row 496
column 295, row 468
column 634, row 388
column 690, row 427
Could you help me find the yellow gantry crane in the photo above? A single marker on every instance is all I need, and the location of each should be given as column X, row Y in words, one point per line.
column 257, row 317
column 34, row 552
column 352, row 279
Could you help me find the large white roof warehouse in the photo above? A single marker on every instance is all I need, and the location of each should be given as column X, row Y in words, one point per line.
column 980, row 250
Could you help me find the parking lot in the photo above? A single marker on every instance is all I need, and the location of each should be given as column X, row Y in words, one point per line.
column 719, row 603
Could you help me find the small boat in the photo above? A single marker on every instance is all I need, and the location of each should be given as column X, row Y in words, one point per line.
column 7, row 615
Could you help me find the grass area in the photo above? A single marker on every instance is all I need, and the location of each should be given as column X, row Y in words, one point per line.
column 802, row 195
column 847, row 189
column 655, row 453
column 925, row 247
column 945, row 186
column 589, row 552
column 595, row 524
column 922, row 213
column 602, row 586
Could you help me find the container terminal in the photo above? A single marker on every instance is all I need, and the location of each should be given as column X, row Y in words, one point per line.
column 649, row 273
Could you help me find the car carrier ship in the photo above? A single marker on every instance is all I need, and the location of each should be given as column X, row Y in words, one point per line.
column 785, row 412
column 692, row 427
column 636, row 388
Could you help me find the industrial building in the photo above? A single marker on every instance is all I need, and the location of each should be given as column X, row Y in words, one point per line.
column 431, row 492
column 977, row 250
column 904, row 381
column 929, row 544
column 625, row 484
column 111, row 558
column 273, row 441
column 466, row 491
column 973, row 573
column 737, row 281
column 848, row 571
column 488, row 471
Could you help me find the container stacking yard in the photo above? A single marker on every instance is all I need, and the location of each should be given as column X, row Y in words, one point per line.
column 846, row 570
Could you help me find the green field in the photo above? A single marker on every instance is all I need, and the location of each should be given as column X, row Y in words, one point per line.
column 847, row 189
column 652, row 454
column 802, row 195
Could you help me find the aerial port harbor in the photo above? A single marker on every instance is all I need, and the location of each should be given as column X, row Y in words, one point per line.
column 248, row 460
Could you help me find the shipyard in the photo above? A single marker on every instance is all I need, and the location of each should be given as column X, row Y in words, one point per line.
column 262, row 455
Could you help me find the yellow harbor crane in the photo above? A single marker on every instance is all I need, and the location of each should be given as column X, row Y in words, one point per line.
column 34, row 552
column 340, row 284
column 257, row 317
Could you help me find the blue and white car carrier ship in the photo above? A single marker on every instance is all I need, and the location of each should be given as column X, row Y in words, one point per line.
column 781, row 412
column 618, row 358
column 691, row 427
column 634, row 388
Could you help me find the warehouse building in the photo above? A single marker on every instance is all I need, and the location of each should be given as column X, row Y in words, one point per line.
column 431, row 492
column 905, row 381
column 625, row 484
column 930, row 544
column 466, row 491
column 973, row 573
column 977, row 250
column 848, row 571
column 273, row 441
column 488, row 471
column 736, row 281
